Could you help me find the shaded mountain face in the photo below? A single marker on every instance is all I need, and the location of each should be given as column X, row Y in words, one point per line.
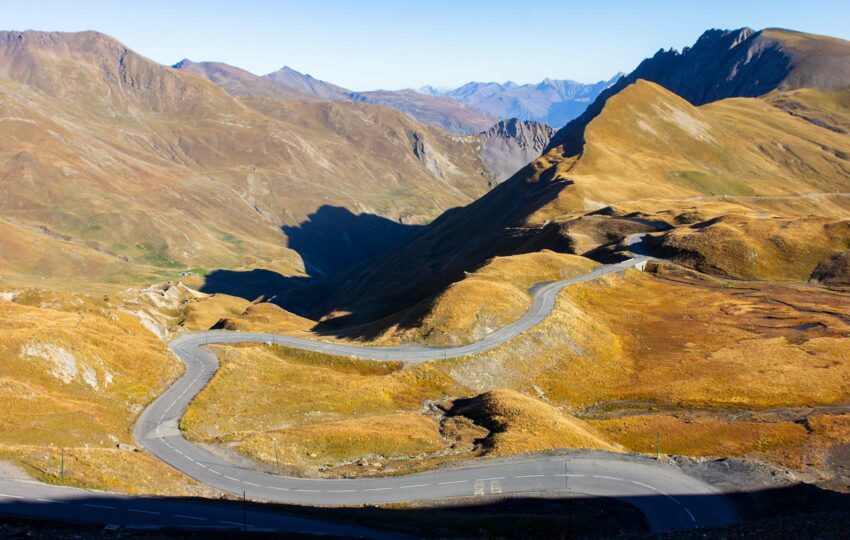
column 730, row 63
column 115, row 168
column 510, row 144
column 646, row 152
column 553, row 102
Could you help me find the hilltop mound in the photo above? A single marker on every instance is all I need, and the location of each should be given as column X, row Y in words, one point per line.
column 493, row 296
column 518, row 423
column 747, row 247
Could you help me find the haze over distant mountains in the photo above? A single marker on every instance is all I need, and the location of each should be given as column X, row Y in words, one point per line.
column 551, row 101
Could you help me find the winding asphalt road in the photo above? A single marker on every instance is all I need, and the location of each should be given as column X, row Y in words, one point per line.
column 669, row 498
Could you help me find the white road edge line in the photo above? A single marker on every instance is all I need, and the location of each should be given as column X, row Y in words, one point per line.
column 181, row 516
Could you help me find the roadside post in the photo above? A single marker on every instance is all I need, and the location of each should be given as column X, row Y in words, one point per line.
column 658, row 445
column 276, row 455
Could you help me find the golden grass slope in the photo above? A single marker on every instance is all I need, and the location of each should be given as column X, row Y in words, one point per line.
column 75, row 373
column 234, row 313
column 84, row 369
column 650, row 141
column 756, row 247
column 519, row 423
column 485, row 300
column 677, row 341
column 319, row 409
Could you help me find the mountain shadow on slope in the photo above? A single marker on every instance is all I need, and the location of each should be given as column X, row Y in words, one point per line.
column 459, row 241
column 331, row 240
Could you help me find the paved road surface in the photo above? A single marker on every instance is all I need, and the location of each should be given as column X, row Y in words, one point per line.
column 27, row 498
column 668, row 498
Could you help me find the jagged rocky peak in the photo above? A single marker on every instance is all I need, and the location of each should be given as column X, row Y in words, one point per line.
column 523, row 133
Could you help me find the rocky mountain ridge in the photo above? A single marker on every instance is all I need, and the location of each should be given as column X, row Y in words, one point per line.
column 730, row 63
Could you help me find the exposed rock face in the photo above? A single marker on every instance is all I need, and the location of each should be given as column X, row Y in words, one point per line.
column 730, row 63
column 510, row 144
column 422, row 151
column 834, row 270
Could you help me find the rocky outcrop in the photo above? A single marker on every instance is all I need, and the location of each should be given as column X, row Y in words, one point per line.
column 422, row 151
column 510, row 144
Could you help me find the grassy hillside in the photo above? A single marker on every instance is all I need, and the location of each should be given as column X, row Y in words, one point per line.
column 747, row 247
column 496, row 294
column 75, row 373
column 137, row 168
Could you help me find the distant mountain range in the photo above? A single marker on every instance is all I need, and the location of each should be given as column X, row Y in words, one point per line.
column 505, row 146
column 446, row 113
column 551, row 101
column 468, row 110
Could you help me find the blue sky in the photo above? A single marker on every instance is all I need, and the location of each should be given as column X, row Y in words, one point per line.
column 368, row 44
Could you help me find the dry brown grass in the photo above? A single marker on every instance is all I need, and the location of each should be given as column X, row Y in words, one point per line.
column 487, row 299
column 649, row 144
column 257, row 394
column 75, row 372
column 703, row 435
column 104, row 468
column 203, row 313
column 748, row 247
column 640, row 337
column 240, row 314
column 399, row 435
column 519, row 423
